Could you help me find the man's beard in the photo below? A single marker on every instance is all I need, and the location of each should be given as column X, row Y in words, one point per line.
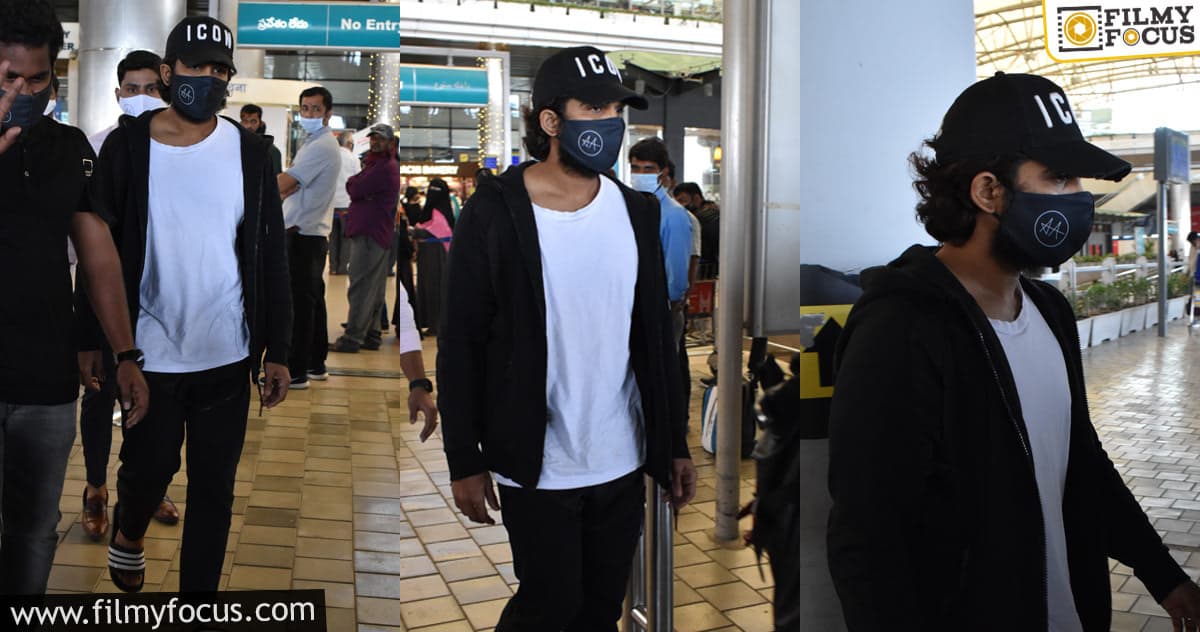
column 572, row 165
column 1010, row 255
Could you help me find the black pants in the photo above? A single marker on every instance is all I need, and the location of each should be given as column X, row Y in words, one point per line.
column 210, row 408
column 95, row 422
column 572, row 552
column 685, row 370
column 339, row 246
column 306, row 261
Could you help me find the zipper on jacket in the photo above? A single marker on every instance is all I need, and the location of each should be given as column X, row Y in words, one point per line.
column 1024, row 439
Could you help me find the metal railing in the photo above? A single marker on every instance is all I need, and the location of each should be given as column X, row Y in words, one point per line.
column 1116, row 270
column 709, row 10
column 650, row 598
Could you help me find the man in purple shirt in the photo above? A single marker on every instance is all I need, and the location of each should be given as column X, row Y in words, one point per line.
column 374, row 193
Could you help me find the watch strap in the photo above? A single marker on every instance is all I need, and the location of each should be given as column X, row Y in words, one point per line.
column 423, row 382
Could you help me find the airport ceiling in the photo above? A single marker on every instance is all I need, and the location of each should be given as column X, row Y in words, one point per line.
column 1010, row 36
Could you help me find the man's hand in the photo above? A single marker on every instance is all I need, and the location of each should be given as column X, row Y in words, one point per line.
column 470, row 495
column 1183, row 604
column 91, row 370
column 419, row 400
column 683, row 483
column 135, row 395
column 277, row 379
column 6, row 103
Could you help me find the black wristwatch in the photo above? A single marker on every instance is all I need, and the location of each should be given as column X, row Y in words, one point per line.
column 133, row 355
column 423, row 382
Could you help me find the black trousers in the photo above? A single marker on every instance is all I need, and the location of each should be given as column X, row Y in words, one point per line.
column 306, row 262
column 572, row 551
column 339, row 246
column 210, row 408
column 95, row 422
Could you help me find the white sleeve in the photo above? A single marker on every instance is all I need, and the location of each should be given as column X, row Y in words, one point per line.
column 406, row 329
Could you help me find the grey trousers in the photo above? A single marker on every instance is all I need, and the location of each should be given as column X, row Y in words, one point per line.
column 35, row 442
column 368, row 282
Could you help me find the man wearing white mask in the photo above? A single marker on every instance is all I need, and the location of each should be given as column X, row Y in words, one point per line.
column 136, row 91
column 307, row 188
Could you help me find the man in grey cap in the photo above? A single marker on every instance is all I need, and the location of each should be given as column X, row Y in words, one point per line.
column 374, row 193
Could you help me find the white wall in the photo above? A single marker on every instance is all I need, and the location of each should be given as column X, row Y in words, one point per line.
column 875, row 79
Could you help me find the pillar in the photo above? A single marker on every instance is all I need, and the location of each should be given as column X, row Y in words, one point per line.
column 109, row 30
column 860, row 106
column 384, row 90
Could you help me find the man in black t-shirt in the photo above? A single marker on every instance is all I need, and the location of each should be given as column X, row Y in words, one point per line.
column 45, row 169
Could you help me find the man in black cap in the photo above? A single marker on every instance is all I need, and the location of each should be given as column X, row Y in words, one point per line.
column 548, row 258
column 199, row 227
column 970, row 490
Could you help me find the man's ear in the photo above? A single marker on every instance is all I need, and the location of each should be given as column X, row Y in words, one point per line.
column 987, row 192
column 550, row 122
column 164, row 74
column 117, row 94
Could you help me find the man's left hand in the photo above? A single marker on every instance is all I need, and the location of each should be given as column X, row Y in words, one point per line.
column 1183, row 605
column 683, row 483
column 277, row 381
column 419, row 400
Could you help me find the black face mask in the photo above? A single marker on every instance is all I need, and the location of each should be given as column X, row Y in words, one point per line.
column 1044, row 230
column 198, row 99
column 26, row 110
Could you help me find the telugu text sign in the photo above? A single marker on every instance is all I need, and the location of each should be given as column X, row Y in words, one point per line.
column 318, row 25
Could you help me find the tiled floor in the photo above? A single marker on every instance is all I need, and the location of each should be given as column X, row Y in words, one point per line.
column 336, row 492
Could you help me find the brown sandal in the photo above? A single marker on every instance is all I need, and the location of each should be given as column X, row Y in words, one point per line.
column 95, row 516
column 167, row 512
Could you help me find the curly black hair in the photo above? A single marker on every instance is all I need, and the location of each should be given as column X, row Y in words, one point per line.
column 31, row 23
column 537, row 141
column 946, row 208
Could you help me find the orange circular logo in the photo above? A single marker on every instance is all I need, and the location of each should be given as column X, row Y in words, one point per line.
column 1131, row 37
column 1080, row 29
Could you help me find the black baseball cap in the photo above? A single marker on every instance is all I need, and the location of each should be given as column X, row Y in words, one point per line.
column 201, row 40
column 584, row 73
column 1027, row 115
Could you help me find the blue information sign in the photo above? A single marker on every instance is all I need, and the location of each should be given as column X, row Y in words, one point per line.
column 318, row 25
column 443, row 85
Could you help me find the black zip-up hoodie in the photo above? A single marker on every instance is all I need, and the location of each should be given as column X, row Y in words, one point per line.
column 936, row 521
column 491, row 363
column 122, row 182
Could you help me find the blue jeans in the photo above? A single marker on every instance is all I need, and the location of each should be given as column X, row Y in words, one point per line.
column 35, row 442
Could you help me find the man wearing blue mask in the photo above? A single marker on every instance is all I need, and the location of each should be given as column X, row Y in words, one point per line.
column 205, row 262
column 307, row 188
column 46, row 173
column 548, row 258
column 964, row 468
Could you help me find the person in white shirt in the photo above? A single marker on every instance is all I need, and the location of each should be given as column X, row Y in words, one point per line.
column 339, row 246
column 136, row 92
column 308, row 188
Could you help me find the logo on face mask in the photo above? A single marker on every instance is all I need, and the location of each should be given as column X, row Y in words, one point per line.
column 8, row 117
column 591, row 143
column 187, row 95
column 1051, row 229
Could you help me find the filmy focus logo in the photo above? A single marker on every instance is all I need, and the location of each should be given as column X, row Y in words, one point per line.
column 1120, row 29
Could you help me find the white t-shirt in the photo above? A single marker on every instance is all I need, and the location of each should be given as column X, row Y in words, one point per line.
column 97, row 140
column 192, row 316
column 1040, row 373
column 349, row 167
column 589, row 269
